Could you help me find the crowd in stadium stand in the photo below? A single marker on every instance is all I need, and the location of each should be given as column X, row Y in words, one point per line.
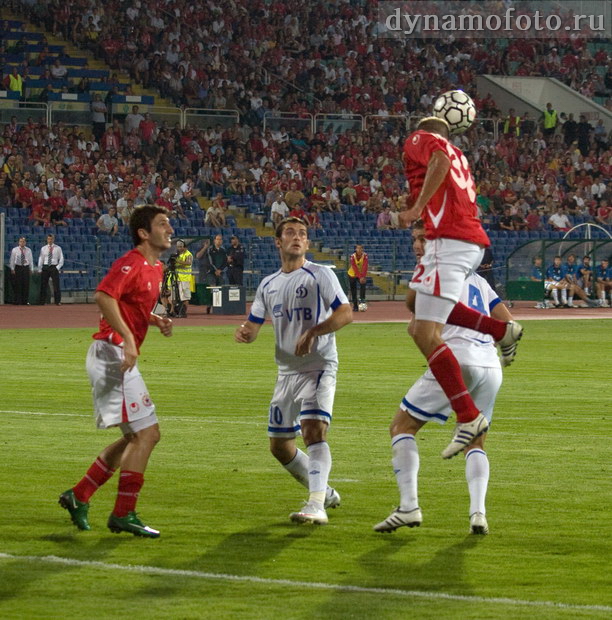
column 46, row 169
column 252, row 56
column 329, row 53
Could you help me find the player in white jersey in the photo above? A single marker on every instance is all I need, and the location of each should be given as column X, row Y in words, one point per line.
column 425, row 401
column 307, row 305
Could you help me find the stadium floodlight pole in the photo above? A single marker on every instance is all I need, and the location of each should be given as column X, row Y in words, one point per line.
column 2, row 248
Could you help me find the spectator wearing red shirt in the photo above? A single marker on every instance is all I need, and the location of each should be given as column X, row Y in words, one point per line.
column 534, row 222
column 363, row 191
column 297, row 211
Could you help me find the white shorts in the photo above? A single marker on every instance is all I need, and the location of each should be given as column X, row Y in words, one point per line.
column 426, row 400
column 444, row 268
column 184, row 289
column 302, row 396
column 549, row 285
column 120, row 399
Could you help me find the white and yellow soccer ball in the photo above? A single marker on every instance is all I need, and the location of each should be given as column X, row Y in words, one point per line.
column 363, row 306
column 457, row 109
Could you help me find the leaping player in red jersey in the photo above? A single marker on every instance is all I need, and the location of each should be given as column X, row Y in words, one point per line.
column 443, row 194
column 126, row 298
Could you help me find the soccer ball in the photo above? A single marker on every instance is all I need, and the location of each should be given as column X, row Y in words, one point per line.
column 457, row 109
column 362, row 306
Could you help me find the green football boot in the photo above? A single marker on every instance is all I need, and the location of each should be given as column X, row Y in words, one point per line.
column 78, row 510
column 131, row 524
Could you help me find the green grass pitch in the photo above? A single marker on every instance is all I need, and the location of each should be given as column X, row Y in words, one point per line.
column 222, row 503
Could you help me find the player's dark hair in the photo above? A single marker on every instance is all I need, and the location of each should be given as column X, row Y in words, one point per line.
column 142, row 218
column 433, row 124
column 288, row 220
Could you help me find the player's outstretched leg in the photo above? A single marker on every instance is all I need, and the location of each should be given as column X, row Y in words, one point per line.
column 505, row 334
column 464, row 434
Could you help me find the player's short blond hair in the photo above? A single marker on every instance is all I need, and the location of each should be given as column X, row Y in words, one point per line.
column 434, row 124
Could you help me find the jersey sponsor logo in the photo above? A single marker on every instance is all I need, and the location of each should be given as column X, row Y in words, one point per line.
column 300, row 314
column 277, row 311
column 301, row 292
column 415, row 139
column 126, row 268
column 149, row 285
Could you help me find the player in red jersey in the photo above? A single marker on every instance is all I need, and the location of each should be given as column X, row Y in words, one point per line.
column 126, row 298
column 444, row 195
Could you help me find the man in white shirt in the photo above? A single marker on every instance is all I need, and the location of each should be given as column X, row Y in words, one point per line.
column 50, row 263
column 279, row 210
column 307, row 306
column 108, row 223
column 77, row 203
column 560, row 221
column 133, row 120
column 20, row 264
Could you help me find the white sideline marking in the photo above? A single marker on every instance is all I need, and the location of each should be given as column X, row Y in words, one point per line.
column 172, row 572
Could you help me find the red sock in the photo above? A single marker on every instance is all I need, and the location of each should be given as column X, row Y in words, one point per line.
column 130, row 483
column 445, row 368
column 96, row 476
column 472, row 319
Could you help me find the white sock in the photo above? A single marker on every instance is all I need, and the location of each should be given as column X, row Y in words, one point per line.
column 563, row 295
column 298, row 467
column 555, row 296
column 570, row 300
column 319, row 466
column 477, row 476
column 406, row 469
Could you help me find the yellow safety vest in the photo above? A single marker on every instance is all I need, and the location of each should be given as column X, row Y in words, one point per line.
column 550, row 119
column 16, row 83
column 184, row 273
column 517, row 125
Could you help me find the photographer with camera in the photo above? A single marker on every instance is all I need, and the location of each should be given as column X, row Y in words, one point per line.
column 183, row 265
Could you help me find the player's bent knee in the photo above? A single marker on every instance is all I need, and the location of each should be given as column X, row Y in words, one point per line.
column 283, row 450
column 404, row 423
column 314, row 431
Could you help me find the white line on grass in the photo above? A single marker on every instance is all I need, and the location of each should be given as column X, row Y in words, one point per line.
column 172, row 572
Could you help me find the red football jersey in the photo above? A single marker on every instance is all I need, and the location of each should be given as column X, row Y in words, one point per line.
column 452, row 211
column 135, row 285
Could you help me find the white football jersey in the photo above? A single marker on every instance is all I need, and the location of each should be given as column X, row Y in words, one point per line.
column 296, row 302
column 473, row 348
